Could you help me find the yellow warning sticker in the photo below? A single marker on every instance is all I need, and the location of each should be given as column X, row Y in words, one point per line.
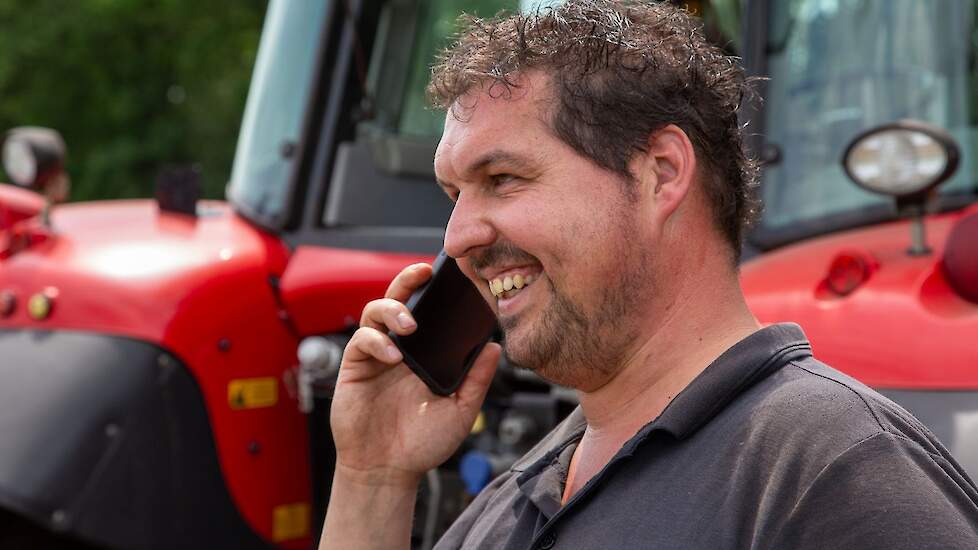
column 253, row 393
column 290, row 521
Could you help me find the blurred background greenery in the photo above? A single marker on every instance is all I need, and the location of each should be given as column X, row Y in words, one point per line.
column 132, row 85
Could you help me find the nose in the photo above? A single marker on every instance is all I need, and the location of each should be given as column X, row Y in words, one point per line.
column 469, row 227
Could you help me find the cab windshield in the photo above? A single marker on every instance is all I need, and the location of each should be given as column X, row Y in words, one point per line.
column 438, row 18
column 839, row 67
column 277, row 99
column 402, row 130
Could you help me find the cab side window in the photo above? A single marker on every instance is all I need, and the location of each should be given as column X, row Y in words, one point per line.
column 383, row 180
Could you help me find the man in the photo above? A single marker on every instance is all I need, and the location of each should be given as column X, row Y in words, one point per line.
column 594, row 150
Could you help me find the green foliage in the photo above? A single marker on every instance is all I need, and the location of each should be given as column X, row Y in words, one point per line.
column 131, row 85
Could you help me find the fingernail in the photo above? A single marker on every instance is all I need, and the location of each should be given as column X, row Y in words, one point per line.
column 405, row 321
column 393, row 353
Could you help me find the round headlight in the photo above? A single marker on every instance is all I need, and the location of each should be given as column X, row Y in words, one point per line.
column 33, row 157
column 19, row 162
column 903, row 159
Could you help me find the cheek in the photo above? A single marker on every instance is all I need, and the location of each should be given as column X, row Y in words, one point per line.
column 569, row 236
column 594, row 250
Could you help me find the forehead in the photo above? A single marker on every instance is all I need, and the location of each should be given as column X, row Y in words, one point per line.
column 493, row 118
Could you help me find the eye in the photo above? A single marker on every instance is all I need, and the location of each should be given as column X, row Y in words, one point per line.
column 500, row 179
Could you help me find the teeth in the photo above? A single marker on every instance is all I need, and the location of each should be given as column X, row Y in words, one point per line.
column 516, row 282
column 497, row 287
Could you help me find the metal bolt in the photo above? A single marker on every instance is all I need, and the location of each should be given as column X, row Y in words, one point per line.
column 224, row 344
column 164, row 361
column 8, row 302
column 59, row 519
column 287, row 149
column 254, row 447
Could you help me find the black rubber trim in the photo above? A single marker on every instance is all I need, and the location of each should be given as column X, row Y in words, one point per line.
column 107, row 439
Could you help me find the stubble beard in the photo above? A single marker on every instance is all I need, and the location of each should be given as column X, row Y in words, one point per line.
column 570, row 347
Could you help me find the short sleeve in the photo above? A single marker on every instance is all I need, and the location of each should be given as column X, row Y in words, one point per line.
column 884, row 492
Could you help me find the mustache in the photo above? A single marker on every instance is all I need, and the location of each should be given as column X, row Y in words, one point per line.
column 500, row 253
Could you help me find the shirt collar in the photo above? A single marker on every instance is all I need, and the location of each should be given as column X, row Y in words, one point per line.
column 733, row 372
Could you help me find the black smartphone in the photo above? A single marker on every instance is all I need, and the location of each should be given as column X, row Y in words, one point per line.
column 454, row 324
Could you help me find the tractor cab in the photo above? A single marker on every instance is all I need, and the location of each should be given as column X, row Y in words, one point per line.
column 834, row 70
column 867, row 138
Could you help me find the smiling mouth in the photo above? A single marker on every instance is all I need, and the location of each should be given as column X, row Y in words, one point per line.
column 507, row 287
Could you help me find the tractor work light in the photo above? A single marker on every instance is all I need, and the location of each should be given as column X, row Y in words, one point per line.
column 34, row 157
column 960, row 261
column 905, row 159
column 19, row 162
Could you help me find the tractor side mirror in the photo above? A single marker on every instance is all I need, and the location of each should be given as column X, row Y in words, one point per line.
column 34, row 158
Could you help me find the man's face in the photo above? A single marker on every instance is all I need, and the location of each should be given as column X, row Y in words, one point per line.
column 531, row 211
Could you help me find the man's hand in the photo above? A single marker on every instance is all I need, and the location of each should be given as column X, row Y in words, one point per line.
column 388, row 427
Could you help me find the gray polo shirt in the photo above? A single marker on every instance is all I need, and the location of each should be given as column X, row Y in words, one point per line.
column 767, row 448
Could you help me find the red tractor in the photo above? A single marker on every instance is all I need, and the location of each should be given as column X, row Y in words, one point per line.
column 165, row 365
column 869, row 237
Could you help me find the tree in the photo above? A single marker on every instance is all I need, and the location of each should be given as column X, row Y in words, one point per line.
column 131, row 85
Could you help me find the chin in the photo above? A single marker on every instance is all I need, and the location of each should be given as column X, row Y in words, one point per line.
column 550, row 360
column 518, row 352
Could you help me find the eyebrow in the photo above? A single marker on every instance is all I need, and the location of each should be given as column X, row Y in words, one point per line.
column 497, row 156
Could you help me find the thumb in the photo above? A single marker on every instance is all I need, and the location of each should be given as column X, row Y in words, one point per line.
column 473, row 391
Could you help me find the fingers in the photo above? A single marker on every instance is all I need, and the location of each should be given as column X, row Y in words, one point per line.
column 407, row 281
column 387, row 314
column 369, row 345
column 473, row 391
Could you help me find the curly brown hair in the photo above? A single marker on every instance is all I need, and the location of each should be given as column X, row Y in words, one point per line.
column 619, row 70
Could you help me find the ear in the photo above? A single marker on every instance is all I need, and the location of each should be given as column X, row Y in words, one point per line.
column 665, row 172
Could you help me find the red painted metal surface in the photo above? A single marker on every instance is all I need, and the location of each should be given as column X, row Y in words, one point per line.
column 17, row 204
column 200, row 288
column 124, row 268
column 961, row 258
column 325, row 289
column 902, row 327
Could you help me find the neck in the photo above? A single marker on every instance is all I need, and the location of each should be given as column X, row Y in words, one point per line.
column 706, row 316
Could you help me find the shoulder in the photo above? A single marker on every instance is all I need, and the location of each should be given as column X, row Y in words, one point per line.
column 809, row 396
column 885, row 491
column 861, row 471
column 804, row 417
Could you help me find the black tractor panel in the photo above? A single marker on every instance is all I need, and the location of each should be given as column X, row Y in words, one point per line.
column 107, row 439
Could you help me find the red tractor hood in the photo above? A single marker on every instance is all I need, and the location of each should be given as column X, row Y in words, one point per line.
column 124, row 267
column 18, row 204
column 902, row 327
